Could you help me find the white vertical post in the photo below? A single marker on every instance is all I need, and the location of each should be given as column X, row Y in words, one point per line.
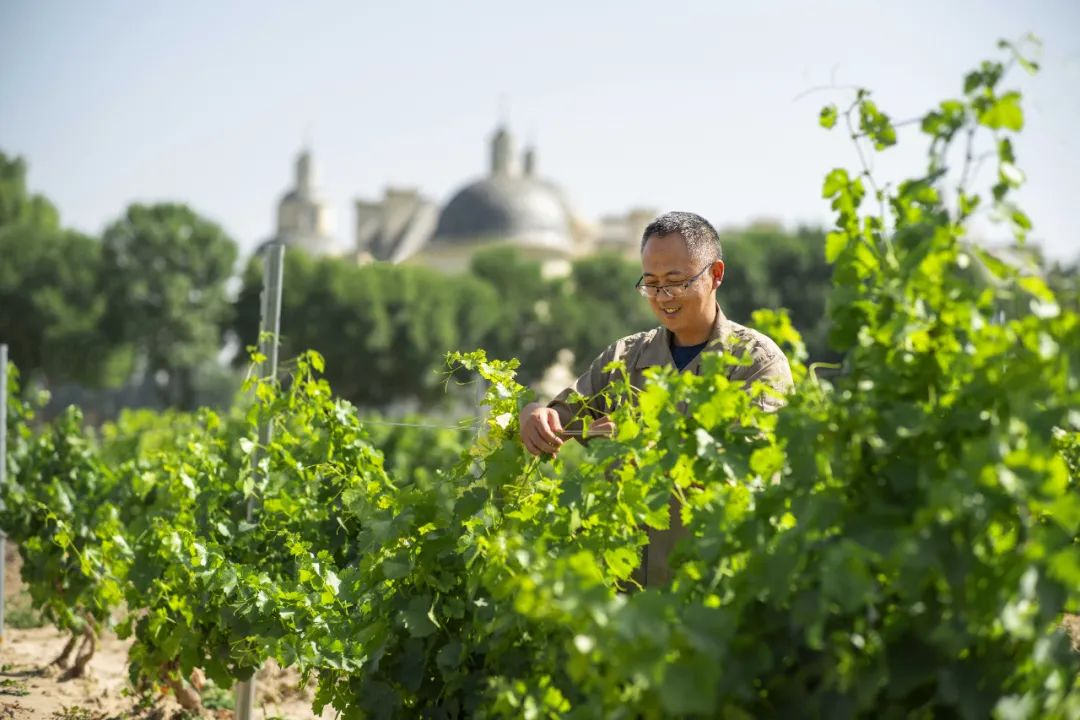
column 269, row 337
column 481, row 415
column 481, row 409
column 269, row 332
column 3, row 474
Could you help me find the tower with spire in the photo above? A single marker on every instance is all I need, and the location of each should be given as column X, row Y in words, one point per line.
column 303, row 217
column 502, row 153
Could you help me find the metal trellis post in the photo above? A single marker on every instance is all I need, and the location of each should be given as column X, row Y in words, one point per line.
column 3, row 474
column 269, row 332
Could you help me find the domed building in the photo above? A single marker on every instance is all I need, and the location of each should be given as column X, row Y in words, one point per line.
column 512, row 205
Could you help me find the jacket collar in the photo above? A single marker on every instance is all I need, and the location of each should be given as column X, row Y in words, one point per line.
column 657, row 349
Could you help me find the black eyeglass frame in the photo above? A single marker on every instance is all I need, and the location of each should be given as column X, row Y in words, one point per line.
column 644, row 290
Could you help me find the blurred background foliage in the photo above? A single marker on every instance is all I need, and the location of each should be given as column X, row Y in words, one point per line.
column 151, row 314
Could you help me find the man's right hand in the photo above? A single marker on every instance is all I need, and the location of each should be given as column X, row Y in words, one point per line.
column 540, row 429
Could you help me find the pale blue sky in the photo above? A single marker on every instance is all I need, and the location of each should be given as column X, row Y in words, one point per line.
column 678, row 105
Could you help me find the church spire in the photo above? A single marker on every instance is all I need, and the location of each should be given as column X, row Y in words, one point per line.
column 502, row 152
column 529, row 161
column 305, row 173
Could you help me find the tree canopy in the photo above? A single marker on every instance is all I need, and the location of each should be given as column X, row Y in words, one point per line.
column 163, row 273
column 384, row 329
column 50, row 302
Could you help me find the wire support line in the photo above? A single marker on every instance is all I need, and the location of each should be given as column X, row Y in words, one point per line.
column 424, row 426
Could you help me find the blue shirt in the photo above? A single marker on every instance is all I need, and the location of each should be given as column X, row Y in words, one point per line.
column 683, row 355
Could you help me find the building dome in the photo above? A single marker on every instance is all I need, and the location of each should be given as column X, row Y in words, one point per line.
column 522, row 210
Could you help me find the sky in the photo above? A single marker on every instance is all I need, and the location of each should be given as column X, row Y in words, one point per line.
column 708, row 106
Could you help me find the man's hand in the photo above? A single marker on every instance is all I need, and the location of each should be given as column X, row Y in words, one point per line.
column 540, row 429
column 602, row 427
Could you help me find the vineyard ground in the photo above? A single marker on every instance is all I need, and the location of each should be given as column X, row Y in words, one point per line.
column 26, row 693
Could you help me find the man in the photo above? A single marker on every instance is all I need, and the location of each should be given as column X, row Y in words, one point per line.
column 682, row 266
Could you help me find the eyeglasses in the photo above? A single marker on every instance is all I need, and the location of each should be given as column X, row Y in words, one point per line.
column 673, row 291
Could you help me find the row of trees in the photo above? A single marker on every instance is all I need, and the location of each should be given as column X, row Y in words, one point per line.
column 384, row 329
column 150, row 297
column 149, row 293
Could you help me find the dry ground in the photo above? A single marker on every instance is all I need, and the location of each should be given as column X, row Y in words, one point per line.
column 26, row 692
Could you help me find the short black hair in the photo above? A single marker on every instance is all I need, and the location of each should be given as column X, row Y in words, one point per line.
column 702, row 240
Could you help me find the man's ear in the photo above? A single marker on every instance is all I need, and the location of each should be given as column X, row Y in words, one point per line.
column 717, row 273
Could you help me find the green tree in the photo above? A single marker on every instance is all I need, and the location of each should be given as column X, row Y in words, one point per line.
column 50, row 305
column 768, row 267
column 384, row 330
column 18, row 206
column 524, row 327
column 596, row 304
column 1064, row 279
column 164, row 269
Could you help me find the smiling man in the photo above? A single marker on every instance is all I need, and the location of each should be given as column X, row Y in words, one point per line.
column 682, row 267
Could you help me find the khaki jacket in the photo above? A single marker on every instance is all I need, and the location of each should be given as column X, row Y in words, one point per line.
column 652, row 348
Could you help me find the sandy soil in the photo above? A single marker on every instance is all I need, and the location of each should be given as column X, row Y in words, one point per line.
column 30, row 690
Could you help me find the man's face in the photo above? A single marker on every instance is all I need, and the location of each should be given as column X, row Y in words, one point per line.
column 667, row 261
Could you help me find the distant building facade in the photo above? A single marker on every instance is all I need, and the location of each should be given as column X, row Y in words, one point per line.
column 304, row 219
column 511, row 205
